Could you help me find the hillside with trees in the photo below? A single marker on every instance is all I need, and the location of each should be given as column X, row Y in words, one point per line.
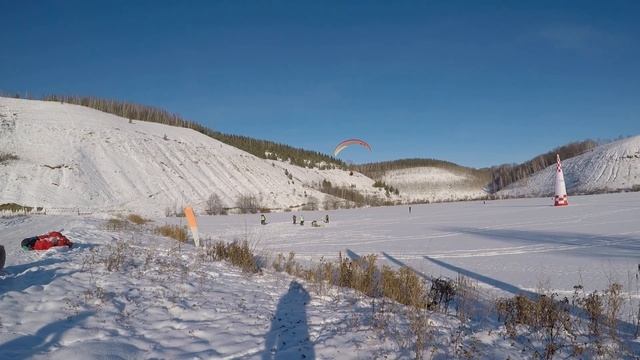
column 378, row 169
column 264, row 149
column 504, row 175
column 492, row 179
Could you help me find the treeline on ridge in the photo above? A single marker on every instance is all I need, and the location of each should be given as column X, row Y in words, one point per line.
column 264, row 149
column 377, row 170
column 504, row 175
column 494, row 178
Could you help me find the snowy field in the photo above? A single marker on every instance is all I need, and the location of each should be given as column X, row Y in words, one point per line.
column 507, row 245
column 162, row 301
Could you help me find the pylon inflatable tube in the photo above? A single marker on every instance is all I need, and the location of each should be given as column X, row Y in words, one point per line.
column 560, row 198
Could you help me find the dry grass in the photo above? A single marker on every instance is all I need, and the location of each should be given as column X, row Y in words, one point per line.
column 403, row 286
column 176, row 232
column 559, row 324
column 137, row 219
column 116, row 224
column 238, row 253
column 116, row 256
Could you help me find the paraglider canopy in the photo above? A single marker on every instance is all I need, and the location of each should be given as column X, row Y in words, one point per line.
column 345, row 144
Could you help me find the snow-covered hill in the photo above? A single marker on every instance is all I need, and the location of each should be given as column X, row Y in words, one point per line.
column 429, row 183
column 72, row 156
column 608, row 167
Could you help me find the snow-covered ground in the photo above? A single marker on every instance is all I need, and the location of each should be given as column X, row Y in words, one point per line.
column 607, row 167
column 504, row 244
column 76, row 157
column 163, row 301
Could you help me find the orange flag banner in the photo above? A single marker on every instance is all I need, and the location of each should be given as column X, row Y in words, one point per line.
column 193, row 224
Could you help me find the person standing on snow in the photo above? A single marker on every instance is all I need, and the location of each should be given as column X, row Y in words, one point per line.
column 3, row 256
column 294, row 219
column 301, row 220
column 263, row 219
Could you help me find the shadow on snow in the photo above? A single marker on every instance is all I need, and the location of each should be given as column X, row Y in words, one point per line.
column 40, row 342
column 288, row 336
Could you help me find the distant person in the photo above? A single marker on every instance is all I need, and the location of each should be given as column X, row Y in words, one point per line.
column 409, row 209
column 301, row 220
column 326, row 218
column 263, row 219
column 295, row 221
column 314, row 223
column 3, row 256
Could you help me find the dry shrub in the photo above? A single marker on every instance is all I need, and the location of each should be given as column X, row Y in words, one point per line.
column 366, row 275
column 278, row 263
column 593, row 306
column 403, row 286
column 614, row 301
column 116, row 256
column 137, row 219
column 442, row 293
column 6, row 157
column 544, row 315
column 238, row 253
column 115, row 224
column 465, row 296
column 173, row 231
column 420, row 328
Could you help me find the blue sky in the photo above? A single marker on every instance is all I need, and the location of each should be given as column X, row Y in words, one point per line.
column 478, row 83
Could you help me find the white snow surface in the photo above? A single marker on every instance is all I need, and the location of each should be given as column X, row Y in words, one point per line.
column 76, row 157
column 164, row 302
column 608, row 167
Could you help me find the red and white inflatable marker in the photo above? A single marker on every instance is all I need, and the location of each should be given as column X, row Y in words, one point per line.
column 561, row 191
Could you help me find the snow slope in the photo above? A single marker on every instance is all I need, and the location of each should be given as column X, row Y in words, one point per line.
column 72, row 156
column 610, row 166
column 433, row 184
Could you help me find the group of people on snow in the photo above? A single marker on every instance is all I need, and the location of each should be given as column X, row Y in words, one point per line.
column 298, row 220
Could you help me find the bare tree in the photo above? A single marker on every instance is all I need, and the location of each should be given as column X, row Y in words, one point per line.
column 312, row 203
column 214, row 206
column 248, row 204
